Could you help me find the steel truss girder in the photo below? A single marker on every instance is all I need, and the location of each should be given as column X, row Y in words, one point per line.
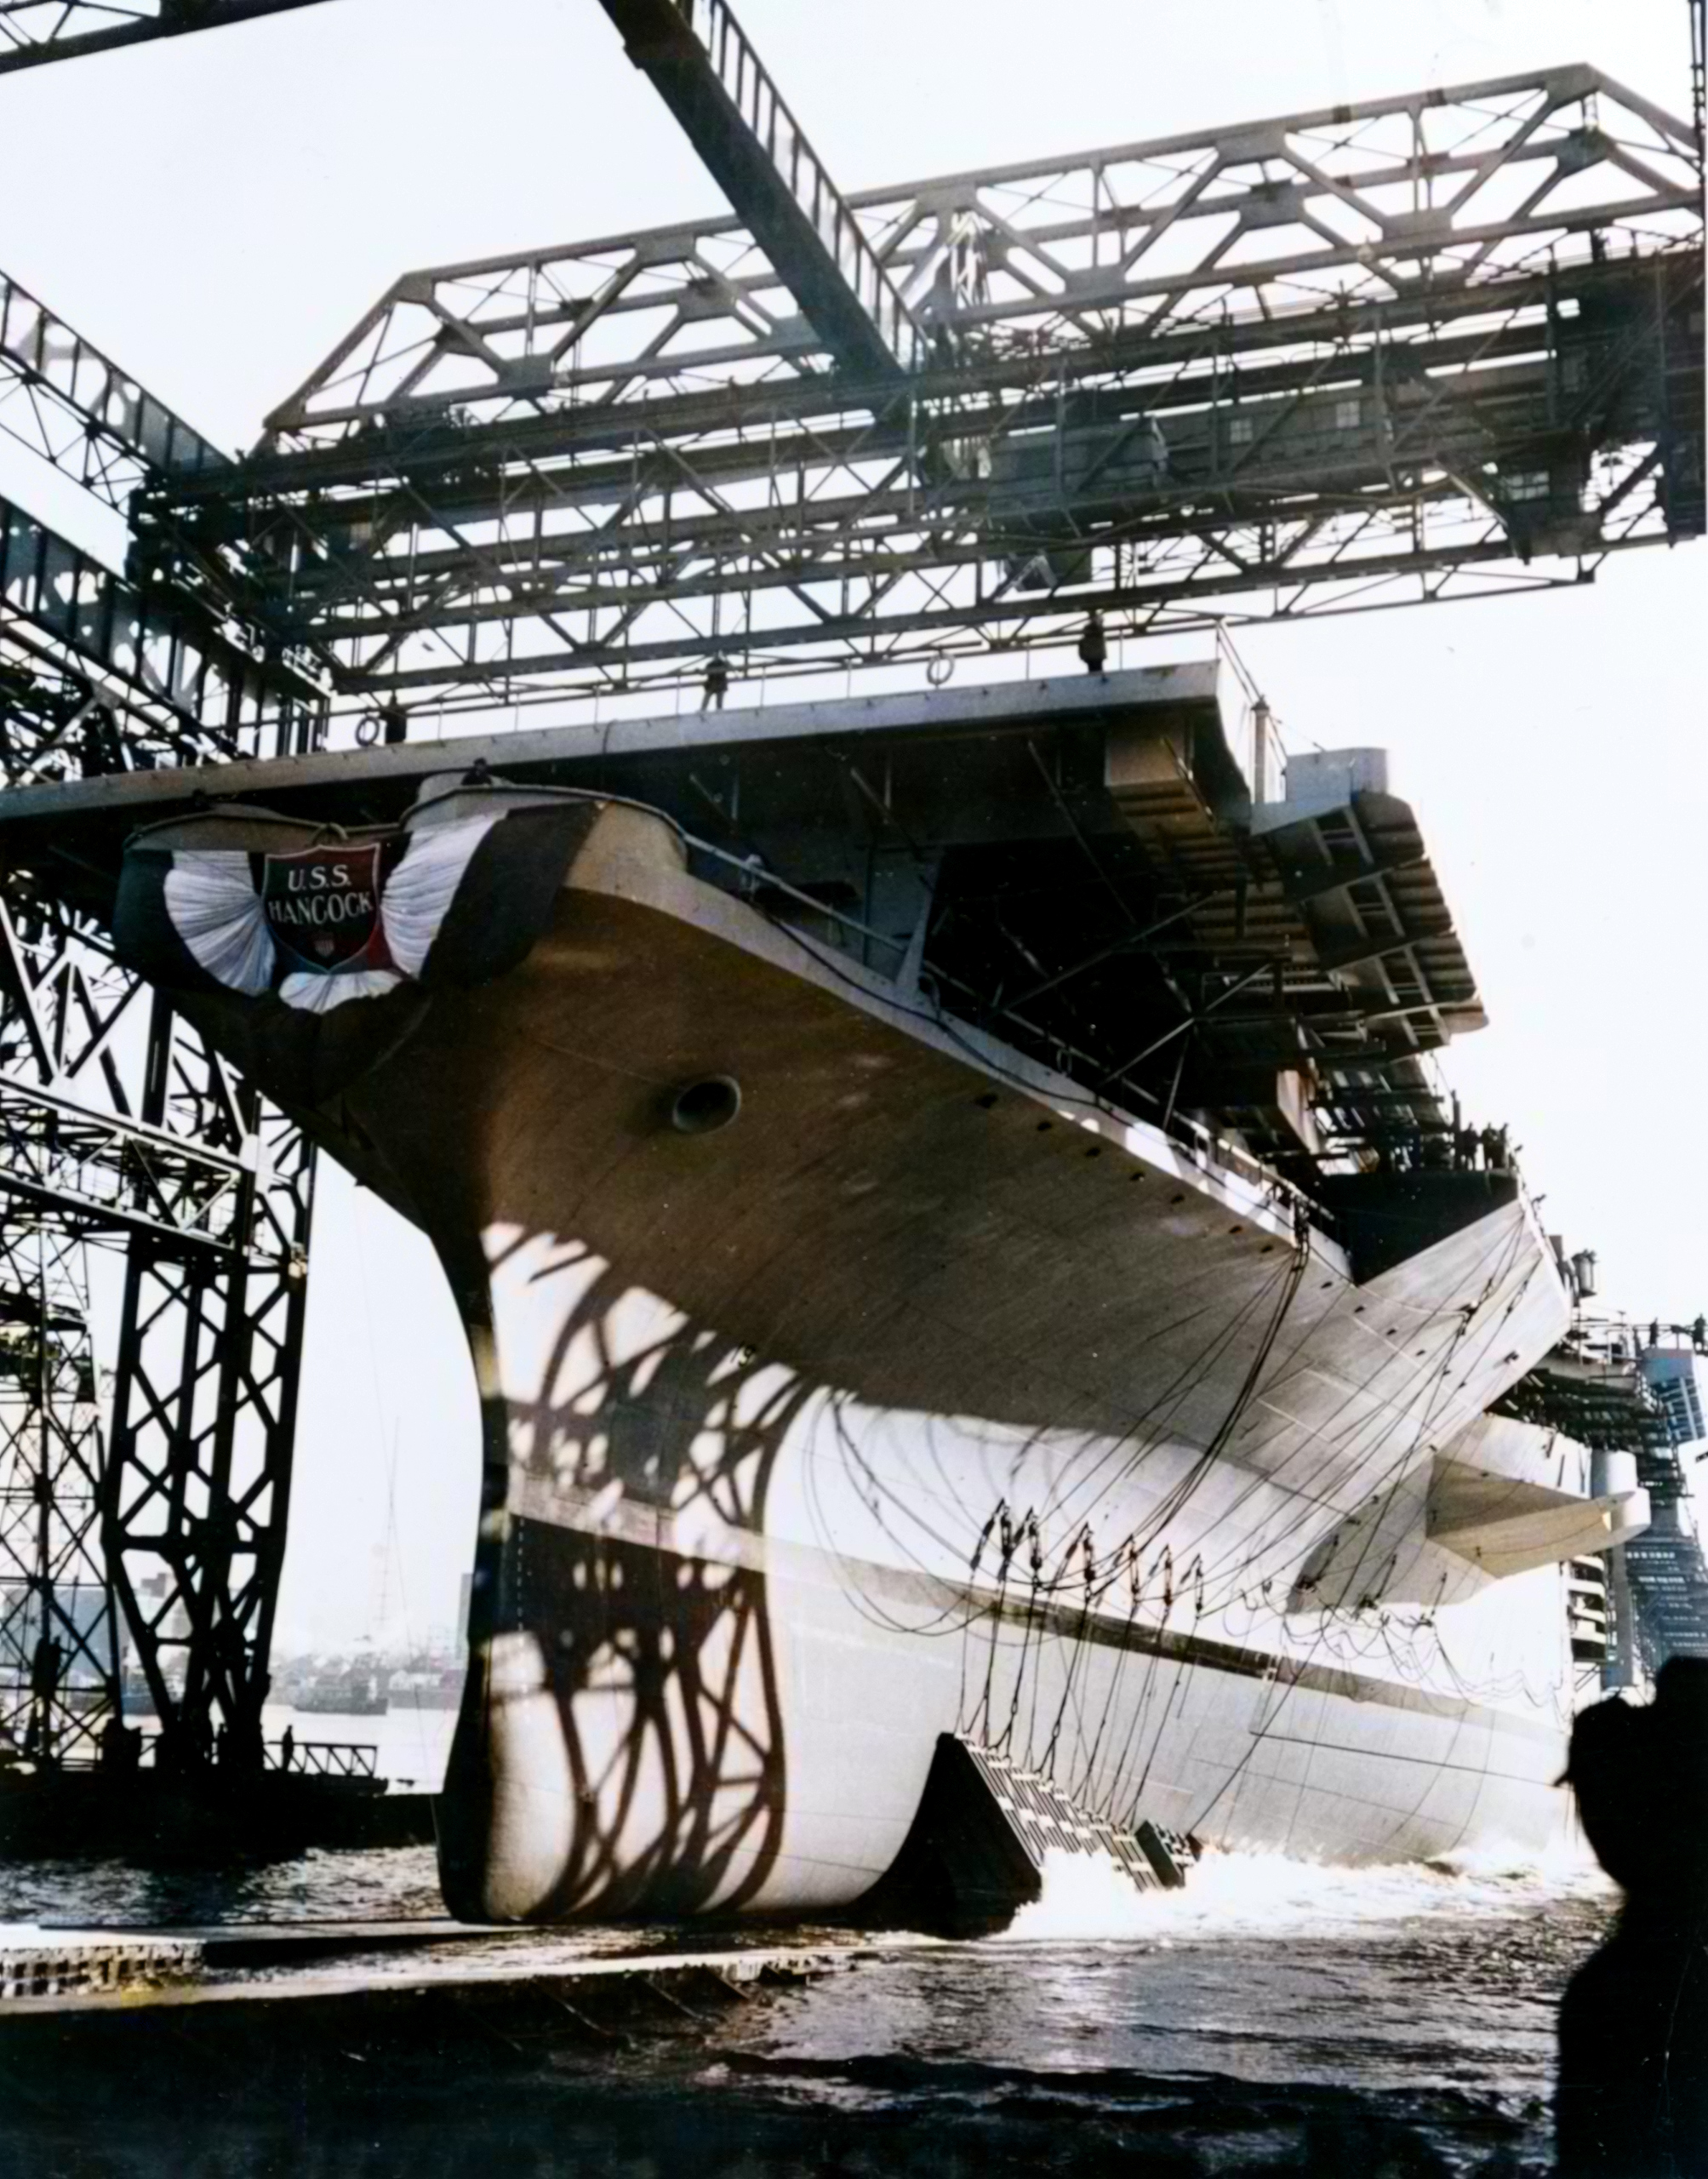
column 181, row 681
column 73, row 406
column 65, row 402
column 35, row 31
column 823, row 519
column 590, row 468
column 1397, row 198
column 187, row 685
column 1183, row 369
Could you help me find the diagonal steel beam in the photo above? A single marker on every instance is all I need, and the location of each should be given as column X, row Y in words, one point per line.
column 704, row 68
column 72, row 405
column 103, row 1173
column 36, row 31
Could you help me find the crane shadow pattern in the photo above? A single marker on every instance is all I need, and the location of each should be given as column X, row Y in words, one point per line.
column 620, row 1747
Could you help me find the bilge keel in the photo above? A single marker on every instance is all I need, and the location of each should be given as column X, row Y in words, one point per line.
column 957, row 1235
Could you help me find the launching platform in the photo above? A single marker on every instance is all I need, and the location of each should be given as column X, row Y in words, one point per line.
column 201, row 1820
column 226, row 1972
column 111, row 2030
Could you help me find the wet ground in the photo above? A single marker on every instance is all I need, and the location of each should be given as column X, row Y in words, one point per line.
column 1273, row 2018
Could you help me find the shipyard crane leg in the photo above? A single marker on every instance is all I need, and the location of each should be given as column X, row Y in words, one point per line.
column 204, row 1412
column 61, row 1007
column 151, row 1530
column 157, row 1539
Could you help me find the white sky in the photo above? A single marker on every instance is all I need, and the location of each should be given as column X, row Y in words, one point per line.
column 216, row 211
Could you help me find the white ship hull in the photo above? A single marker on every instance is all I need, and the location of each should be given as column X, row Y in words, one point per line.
column 753, row 1397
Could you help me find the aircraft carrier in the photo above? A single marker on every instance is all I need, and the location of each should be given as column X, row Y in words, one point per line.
column 960, row 1240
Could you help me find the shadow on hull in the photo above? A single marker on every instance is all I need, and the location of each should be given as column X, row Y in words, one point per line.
column 621, row 1744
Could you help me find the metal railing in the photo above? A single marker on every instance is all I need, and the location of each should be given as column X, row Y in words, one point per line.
column 324, row 1758
column 309, row 1759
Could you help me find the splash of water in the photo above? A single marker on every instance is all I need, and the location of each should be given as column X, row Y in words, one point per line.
column 1089, row 1898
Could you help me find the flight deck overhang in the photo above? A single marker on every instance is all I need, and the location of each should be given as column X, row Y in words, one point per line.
column 1116, row 871
column 378, row 783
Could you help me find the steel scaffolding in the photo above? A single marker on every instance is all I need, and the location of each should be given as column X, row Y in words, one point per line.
column 59, row 1649
column 120, row 1131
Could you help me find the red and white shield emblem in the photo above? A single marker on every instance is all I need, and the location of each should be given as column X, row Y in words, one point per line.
column 323, row 908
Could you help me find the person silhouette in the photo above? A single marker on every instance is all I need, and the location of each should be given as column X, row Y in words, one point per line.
column 1632, row 2097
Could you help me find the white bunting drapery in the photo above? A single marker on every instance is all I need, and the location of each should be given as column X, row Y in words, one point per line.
column 220, row 918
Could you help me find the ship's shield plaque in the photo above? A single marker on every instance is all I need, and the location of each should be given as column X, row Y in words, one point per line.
column 323, row 908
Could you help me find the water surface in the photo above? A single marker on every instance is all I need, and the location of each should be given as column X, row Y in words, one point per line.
column 1273, row 2017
